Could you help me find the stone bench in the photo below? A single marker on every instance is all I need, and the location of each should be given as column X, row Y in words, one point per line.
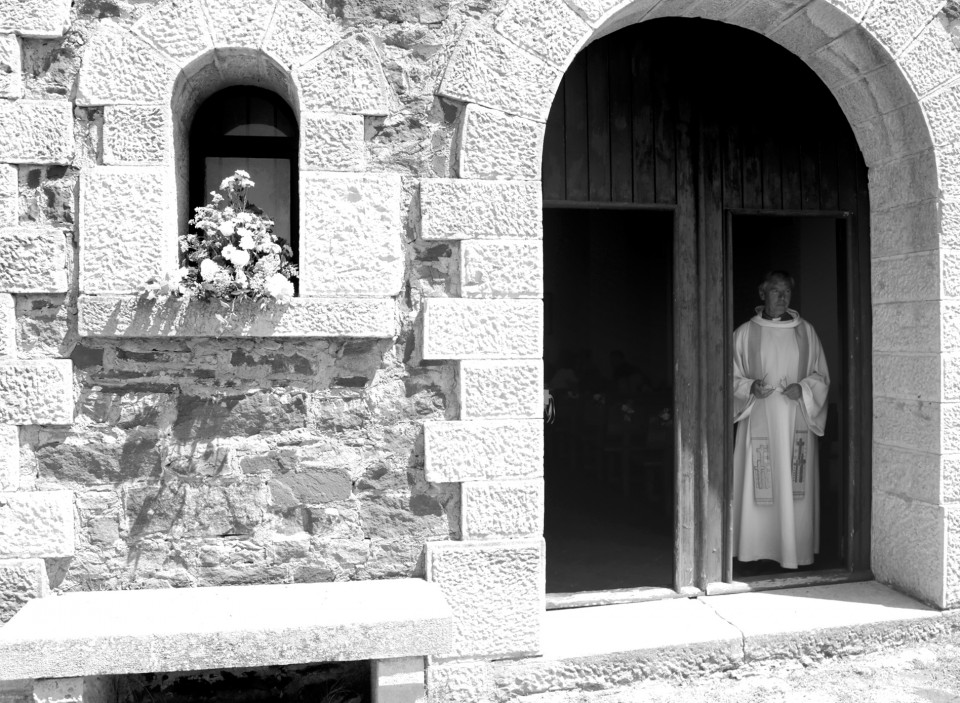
column 64, row 642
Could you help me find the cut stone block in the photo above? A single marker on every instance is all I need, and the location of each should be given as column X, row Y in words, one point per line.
column 398, row 680
column 11, row 78
column 347, row 78
column 298, row 33
column 9, row 458
column 896, row 23
column 501, row 269
column 351, row 234
column 130, row 316
column 488, row 70
column 941, row 110
column 8, row 325
column 458, row 328
column 549, row 29
column 907, row 376
column 128, row 227
column 239, row 23
column 459, row 682
column 120, row 67
column 501, row 390
column 816, row 25
column 33, row 260
column 907, row 180
column 910, row 228
column 36, row 392
column 763, row 16
column 177, row 30
column 44, row 19
column 907, row 546
column 137, row 135
column 496, row 591
column 21, row 580
column 846, row 58
column 501, row 509
column 222, row 627
column 893, row 135
column 60, row 691
column 594, row 10
column 495, row 145
column 912, row 424
column 331, row 142
column 472, row 451
column 906, row 278
column 36, row 524
column 9, row 196
column 931, row 60
column 462, row 209
column 875, row 94
column 36, row 131
column 907, row 472
column 907, row 327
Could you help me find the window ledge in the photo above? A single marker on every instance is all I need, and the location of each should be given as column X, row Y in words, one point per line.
column 135, row 316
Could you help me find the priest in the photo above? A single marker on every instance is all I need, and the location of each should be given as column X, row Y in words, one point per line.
column 780, row 384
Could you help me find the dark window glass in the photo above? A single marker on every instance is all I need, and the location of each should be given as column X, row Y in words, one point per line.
column 254, row 130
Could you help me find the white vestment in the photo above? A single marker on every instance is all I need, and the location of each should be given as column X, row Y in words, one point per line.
column 776, row 502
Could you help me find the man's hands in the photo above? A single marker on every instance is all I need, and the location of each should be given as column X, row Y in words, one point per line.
column 760, row 390
column 794, row 391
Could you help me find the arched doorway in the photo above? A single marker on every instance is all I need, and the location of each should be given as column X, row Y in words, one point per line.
column 682, row 159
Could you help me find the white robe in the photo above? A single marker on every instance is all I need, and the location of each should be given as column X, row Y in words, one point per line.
column 784, row 527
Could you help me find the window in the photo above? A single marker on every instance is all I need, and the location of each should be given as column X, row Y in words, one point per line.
column 253, row 129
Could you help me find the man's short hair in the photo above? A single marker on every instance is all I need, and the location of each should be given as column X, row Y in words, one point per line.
column 777, row 275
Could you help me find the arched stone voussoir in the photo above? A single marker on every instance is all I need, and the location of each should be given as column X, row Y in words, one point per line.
column 489, row 70
column 347, row 78
column 120, row 67
column 239, row 23
column 494, row 145
column 549, row 29
column 177, row 29
column 299, row 33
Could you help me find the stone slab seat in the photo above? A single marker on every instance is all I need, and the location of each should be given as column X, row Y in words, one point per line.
column 183, row 629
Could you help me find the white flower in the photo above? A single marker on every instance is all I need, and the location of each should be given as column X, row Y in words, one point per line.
column 246, row 241
column 279, row 287
column 237, row 257
column 209, row 269
column 227, row 227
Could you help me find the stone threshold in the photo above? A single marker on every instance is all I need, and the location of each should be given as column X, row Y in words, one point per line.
column 617, row 645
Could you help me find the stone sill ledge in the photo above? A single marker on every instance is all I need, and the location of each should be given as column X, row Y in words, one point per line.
column 134, row 316
column 611, row 646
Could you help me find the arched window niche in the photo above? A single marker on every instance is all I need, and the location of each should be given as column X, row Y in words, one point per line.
column 238, row 109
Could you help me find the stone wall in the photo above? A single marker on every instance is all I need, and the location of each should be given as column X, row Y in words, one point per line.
column 133, row 458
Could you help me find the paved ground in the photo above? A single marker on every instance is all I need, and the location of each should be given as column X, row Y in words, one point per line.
column 928, row 673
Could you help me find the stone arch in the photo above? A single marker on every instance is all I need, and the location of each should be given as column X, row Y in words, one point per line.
column 894, row 72
column 150, row 78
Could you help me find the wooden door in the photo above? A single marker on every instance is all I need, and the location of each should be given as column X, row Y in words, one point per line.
column 715, row 122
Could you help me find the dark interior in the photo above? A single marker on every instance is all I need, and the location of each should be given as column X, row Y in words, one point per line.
column 811, row 249
column 609, row 365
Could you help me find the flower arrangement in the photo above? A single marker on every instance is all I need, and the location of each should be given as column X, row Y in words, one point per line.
column 231, row 253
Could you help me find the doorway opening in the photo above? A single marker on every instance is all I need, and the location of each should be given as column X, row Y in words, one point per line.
column 608, row 351
column 812, row 247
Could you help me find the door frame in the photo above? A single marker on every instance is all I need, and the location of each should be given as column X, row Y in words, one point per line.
column 853, row 256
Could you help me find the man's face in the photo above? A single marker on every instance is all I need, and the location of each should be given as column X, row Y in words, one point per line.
column 775, row 295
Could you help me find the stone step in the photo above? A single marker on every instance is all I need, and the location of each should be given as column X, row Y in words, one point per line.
column 612, row 646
